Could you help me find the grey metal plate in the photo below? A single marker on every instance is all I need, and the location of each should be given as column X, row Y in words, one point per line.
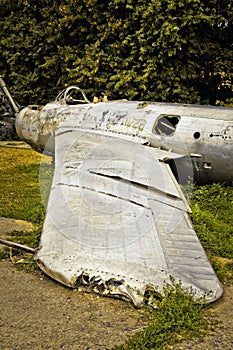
column 117, row 221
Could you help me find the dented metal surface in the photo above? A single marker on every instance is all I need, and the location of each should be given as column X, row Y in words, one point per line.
column 204, row 133
column 116, row 220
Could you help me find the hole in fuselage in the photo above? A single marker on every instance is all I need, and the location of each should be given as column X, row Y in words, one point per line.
column 196, row 135
column 166, row 124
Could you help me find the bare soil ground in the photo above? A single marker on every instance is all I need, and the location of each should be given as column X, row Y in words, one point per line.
column 37, row 313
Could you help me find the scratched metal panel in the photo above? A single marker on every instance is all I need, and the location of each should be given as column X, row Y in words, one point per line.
column 116, row 223
column 200, row 111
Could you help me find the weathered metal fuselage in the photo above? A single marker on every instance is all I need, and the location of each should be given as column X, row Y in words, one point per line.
column 117, row 220
column 203, row 133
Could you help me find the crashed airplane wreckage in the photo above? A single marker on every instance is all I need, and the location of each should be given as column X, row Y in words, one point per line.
column 117, row 220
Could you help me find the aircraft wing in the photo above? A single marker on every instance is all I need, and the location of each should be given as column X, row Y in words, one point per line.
column 117, row 221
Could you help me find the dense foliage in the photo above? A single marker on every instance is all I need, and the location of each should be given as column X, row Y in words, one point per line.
column 169, row 50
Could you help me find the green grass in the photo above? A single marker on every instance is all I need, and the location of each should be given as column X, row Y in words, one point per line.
column 212, row 217
column 177, row 316
column 20, row 193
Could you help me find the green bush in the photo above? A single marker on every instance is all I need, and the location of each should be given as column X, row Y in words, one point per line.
column 164, row 50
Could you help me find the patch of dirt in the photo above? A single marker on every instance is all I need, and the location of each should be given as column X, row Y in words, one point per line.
column 38, row 313
column 9, row 225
